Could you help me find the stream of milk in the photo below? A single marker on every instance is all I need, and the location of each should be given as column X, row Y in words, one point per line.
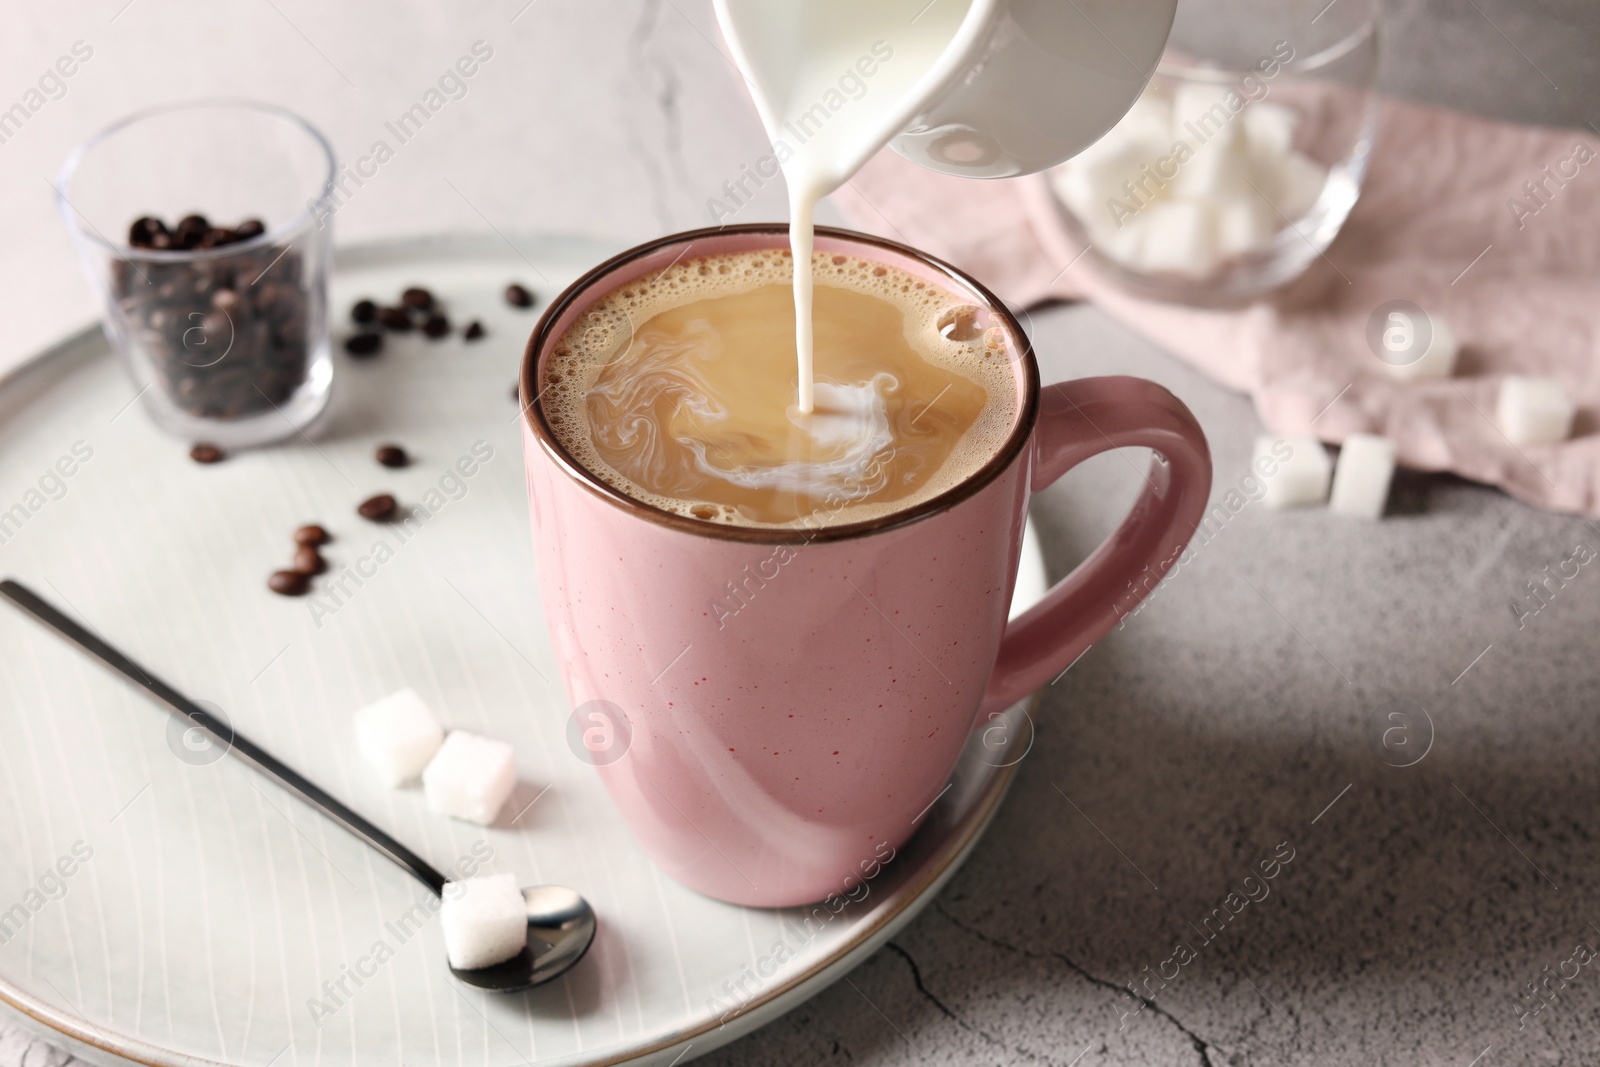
column 832, row 80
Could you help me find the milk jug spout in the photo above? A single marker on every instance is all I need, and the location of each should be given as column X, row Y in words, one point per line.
column 977, row 88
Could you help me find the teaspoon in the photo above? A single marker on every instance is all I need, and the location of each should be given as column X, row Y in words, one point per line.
column 560, row 922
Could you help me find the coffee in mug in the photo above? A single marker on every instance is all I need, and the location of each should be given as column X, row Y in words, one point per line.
column 679, row 390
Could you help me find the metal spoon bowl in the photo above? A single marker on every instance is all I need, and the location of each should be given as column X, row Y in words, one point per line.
column 561, row 924
column 561, row 921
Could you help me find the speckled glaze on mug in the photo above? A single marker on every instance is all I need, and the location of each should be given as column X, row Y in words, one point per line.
column 780, row 745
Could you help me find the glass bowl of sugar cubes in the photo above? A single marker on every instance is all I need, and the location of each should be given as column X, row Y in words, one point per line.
column 1235, row 169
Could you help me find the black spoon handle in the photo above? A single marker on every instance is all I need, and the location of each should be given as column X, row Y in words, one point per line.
column 231, row 740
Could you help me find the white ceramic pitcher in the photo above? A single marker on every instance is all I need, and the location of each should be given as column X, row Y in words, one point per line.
column 1020, row 85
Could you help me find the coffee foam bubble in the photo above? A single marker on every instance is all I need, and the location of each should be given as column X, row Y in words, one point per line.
column 940, row 327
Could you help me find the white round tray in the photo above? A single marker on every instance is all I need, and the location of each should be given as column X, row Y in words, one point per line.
column 215, row 919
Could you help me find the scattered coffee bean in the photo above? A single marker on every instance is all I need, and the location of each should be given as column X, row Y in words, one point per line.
column 392, row 456
column 436, row 326
column 289, row 583
column 366, row 343
column 308, row 561
column 473, row 331
column 518, row 297
column 204, row 453
column 395, row 319
column 311, row 534
column 363, row 311
column 417, row 298
column 380, row 508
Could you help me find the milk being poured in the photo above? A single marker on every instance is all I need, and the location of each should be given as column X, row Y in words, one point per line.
column 833, row 81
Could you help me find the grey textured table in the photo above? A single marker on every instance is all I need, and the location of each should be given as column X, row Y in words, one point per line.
column 1242, row 714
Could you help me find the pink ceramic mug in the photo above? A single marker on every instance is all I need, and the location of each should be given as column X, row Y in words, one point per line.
column 795, row 698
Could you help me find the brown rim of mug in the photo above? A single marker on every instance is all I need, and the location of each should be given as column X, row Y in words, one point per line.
column 534, row 414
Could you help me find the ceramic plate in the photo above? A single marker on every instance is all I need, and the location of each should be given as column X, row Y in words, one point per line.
column 162, row 904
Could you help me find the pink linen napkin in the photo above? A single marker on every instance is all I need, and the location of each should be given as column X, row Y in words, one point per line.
column 1437, row 224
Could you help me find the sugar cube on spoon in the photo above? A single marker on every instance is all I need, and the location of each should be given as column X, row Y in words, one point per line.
column 485, row 921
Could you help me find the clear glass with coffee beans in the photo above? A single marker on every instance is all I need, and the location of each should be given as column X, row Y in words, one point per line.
column 206, row 227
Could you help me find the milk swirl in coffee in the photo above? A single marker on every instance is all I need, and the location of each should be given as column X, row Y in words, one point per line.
column 679, row 389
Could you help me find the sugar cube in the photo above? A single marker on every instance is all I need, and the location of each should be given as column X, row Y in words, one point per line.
column 1126, row 245
column 1300, row 480
column 1361, row 479
column 1534, row 411
column 1269, row 129
column 1178, row 238
column 1437, row 361
column 1244, row 224
column 485, row 921
column 398, row 735
column 1089, row 186
column 1201, row 114
column 1214, row 171
column 1074, row 186
column 1294, row 183
column 470, row 777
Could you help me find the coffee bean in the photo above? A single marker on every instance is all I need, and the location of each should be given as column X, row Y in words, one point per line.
column 289, row 583
column 417, row 298
column 308, row 561
column 364, row 344
column 204, row 453
column 518, row 297
column 363, row 311
column 392, row 456
column 311, row 534
column 225, row 301
column 473, row 331
column 380, row 508
column 144, row 229
column 248, row 229
column 395, row 319
column 436, row 326
column 516, row 391
column 207, row 344
column 270, row 297
column 190, row 231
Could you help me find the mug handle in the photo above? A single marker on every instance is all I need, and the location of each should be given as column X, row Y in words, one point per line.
column 1077, row 420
